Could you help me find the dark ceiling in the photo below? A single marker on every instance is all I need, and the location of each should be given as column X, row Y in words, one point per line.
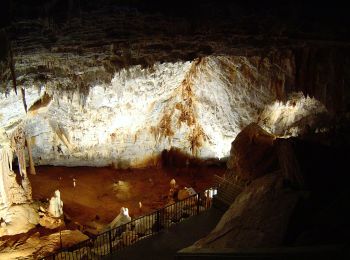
column 329, row 19
column 113, row 34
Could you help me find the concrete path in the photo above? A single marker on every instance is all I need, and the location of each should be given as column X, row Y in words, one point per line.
column 169, row 241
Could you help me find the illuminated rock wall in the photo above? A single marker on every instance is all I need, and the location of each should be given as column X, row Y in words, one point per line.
column 198, row 107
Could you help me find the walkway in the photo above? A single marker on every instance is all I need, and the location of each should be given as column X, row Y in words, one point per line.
column 165, row 244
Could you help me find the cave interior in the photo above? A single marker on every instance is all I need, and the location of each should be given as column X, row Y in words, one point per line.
column 110, row 102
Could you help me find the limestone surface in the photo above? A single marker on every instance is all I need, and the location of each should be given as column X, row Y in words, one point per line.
column 197, row 107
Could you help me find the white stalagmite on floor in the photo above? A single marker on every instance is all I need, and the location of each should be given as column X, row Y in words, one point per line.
column 121, row 219
column 56, row 205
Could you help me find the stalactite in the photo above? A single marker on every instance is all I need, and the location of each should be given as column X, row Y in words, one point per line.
column 62, row 136
column 23, row 92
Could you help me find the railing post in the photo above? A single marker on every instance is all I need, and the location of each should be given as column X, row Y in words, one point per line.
column 158, row 220
column 197, row 203
column 110, row 240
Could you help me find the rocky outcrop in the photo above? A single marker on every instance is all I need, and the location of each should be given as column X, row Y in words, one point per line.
column 303, row 202
column 34, row 246
column 252, row 154
column 259, row 216
column 17, row 219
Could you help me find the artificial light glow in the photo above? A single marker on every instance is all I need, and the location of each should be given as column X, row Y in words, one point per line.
column 210, row 193
column 222, row 146
column 127, row 120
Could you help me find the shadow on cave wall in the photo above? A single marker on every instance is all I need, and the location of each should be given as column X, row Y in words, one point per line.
column 175, row 158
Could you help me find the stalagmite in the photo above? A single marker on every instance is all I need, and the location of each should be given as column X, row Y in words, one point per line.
column 121, row 219
column 172, row 183
column 56, row 205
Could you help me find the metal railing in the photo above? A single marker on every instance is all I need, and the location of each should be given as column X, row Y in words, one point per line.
column 140, row 228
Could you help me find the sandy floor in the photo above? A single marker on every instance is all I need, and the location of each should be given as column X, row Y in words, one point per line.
column 94, row 198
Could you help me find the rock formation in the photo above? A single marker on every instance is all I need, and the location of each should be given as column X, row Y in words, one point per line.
column 34, row 246
column 185, row 193
column 121, row 219
column 122, row 190
column 193, row 87
column 56, row 205
column 18, row 218
column 252, row 153
column 16, row 211
column 258, row 217
column 288, row 194
column 12, row 191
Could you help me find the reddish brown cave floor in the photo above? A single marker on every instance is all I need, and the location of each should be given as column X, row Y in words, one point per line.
column 94, row 196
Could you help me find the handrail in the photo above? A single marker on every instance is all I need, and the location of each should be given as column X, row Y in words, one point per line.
column 120, row 237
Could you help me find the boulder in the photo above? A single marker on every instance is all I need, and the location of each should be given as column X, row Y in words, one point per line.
column 18, row 219
column 185, row 193
column 252, row 153
column 50, row 222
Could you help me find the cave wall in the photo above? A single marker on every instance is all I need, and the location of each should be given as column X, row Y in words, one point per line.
column 324, row 73
column 197, row 107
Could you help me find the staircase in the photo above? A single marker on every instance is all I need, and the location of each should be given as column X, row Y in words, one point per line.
column 228, row 188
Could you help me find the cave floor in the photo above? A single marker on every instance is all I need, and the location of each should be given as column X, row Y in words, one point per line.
column 94, row 199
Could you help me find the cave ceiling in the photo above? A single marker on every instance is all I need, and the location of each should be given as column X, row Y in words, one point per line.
column 75, row 44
